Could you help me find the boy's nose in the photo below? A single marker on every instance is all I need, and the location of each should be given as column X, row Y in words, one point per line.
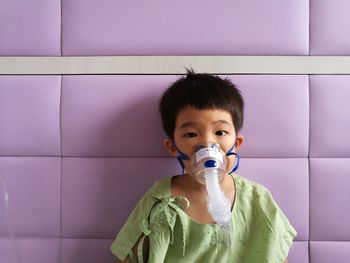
column 207, row 140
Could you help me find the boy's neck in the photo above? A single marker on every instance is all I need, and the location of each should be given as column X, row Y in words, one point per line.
column 193, row 184
column 196, row 186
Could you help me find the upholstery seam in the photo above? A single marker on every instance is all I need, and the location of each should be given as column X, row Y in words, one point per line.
column 61, row 177
column 309, row 29
column 61, row 30
column 309, row 170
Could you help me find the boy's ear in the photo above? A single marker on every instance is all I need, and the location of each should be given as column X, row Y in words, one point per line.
column 169, row 145
column 239, row 141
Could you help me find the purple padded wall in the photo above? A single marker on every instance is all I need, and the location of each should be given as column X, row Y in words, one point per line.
column 103, row 151
column 69, row 166
column 64, row 185
column 30, row 250
column 324, row 252
column 34, row 192
column 30, row 27
column 156, row 27
column 134, row 96
column 330, row 24
column 71, row 146
column 330, row 121
column 182, row 27
column 30, row 130
column 281, row 136
column 101, row 122
column 329, row 168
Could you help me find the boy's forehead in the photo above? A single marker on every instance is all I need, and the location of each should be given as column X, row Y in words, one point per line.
column 190, row 116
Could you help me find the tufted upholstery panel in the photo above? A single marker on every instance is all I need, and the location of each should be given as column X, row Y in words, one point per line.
column 30, row 27
column 329, row 22
column 77, row 152
column 77, row 27
column 183, row 27
column 330, row 119
column 74, row 194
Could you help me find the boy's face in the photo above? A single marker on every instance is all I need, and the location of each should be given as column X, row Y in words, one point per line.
column 202, row 127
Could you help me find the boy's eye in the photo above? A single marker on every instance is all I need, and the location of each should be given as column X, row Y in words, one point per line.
column 221, row 133
column 190, row 135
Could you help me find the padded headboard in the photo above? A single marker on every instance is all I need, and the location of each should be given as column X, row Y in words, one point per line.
column 78, row 151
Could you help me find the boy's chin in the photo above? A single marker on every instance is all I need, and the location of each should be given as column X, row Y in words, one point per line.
column 188, row 173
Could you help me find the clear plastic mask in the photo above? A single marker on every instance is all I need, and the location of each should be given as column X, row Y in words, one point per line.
column 208, row 165
column 208, row 159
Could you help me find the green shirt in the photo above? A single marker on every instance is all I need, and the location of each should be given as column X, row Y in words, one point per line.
column 260, row 231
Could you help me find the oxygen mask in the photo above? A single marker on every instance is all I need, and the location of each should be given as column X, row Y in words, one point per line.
column 208, row 160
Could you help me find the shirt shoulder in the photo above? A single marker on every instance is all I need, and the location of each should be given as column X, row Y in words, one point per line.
column 160, row 187
column 257, row 198
column 252, row 192
column 273, row 233
column 249, row 184
column 138, row 220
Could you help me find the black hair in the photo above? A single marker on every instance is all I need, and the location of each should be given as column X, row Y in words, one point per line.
column 201, row 91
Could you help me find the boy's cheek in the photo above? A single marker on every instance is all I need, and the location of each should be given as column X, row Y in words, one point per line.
column 231, row 160
column 187, row 166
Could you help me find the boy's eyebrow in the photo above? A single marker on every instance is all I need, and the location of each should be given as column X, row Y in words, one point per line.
column 193, row 123
column 221, row 121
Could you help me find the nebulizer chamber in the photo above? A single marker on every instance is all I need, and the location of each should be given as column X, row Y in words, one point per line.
column 208, row 165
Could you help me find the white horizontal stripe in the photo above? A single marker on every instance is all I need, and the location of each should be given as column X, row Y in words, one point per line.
column 175, row 64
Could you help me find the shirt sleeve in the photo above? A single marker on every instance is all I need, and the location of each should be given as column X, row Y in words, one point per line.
column 136, row 225
column 161, row 231
column 276, row 234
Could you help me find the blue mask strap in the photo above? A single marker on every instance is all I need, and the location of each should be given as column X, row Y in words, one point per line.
column 181, row 157
column 229, row 153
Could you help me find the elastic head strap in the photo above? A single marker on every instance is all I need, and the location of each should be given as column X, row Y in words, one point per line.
column 237, row 162
column 180, row 157
column 229, row 153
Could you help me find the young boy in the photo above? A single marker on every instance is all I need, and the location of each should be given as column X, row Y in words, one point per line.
column 172, row 222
